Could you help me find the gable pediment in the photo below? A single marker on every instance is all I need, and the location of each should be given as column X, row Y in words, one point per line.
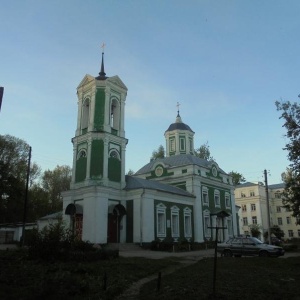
column 86, row 80
column 117, row 81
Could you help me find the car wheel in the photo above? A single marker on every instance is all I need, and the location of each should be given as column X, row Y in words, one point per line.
column 264, row 254
column 227, row 253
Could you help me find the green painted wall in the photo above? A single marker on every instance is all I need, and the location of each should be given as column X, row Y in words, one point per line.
column 99, row 109
column 211, row 193
column 97, row 156
column 114, row 169
column 80, row 174
column 129, row 221
column 165, row 173
column 168, row 217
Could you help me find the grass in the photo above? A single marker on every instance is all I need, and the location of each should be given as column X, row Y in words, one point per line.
column 246, row 278
column 237, row 278
column 25, row 279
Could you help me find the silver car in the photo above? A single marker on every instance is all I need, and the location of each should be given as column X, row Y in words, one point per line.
column 248, row 246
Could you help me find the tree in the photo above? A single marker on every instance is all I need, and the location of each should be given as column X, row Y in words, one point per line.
column 290, row 113
column 54, row 183
column 204, row 152
column 14, row 154
column 237, row 178
column 255, row 230
column 159, row 153
column 130, row 172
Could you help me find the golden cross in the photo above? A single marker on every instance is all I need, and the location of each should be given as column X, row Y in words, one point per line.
column 178, row 104
column 103, row 46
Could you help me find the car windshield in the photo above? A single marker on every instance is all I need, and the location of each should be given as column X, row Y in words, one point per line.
column 256, row 241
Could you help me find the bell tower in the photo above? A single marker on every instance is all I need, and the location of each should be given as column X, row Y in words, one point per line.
column 99, row 143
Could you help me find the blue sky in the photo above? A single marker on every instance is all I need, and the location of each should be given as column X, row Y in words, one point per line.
column 226, row 62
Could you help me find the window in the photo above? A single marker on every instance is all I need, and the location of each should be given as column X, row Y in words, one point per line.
column 161, row 220
column 243, row 195
column 175, row 221
column 277, row 195
column 244, row 207
column 81, row 154
column 85, row 114
column 205, row 195
column 227, row 200
column 288, row 220
column 253, row 207
column 245, row 221
column 279, row 221
column 278, row 209
column 206, row 220
column 229, row 226
column 254, row 220
column 172, row 145
column 115, row 114
column 252, row 194
column 182, row 144
column 291, row 233
column 187, row 222
column 217, row 198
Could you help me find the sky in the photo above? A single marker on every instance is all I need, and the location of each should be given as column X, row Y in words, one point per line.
column 225, row 62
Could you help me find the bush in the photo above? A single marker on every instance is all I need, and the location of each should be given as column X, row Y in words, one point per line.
column 55, row 242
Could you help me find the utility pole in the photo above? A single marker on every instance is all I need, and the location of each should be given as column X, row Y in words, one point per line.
column 268, row 206
column 26, row 198
column 1, row 95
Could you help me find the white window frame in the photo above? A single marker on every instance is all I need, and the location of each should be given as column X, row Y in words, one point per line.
column 207, row 223
column 279, row 221
column 172, row 145
column 187, row 216
column 252, row 193
column 245, row 221
column 291, row 233
column 244, row 207
column 161, row 230
column 227, row 200
column 253, row 207
column 254, row 220
column 182, row 140
column 205, row 192
column 217, row 196
column 175, row 222
column 229, row 226
column 278, row 209
column 288, row 220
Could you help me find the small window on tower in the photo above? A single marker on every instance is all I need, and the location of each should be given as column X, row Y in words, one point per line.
column 81, row 154
column 114, row 154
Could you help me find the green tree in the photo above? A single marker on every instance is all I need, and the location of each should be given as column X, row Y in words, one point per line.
column 14, row 154
column 130, row 172
column 204, row 152
column 237, row 178
column 290, row 113
column 159, row 153
column 54, row 183
column 255, row 230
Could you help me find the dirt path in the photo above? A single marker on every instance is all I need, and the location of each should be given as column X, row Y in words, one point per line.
column 134, row 291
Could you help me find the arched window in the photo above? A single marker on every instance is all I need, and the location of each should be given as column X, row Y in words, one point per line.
column 115, row 114
column 114, row 154
column 85, row 114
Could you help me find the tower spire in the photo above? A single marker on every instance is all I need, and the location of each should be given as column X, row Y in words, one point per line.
column 178, row 118
column 102, row 74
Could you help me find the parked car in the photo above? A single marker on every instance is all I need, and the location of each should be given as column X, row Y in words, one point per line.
column 248, row 246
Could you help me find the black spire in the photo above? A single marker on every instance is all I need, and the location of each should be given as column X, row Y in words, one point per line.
column 102, row 74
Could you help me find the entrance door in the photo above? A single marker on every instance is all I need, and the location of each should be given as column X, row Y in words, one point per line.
column 113, row 229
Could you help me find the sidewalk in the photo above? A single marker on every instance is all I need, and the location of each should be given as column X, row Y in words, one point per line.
column 188, row 255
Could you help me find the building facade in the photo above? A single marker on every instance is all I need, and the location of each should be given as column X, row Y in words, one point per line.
column 177, row 197
column 251, row 197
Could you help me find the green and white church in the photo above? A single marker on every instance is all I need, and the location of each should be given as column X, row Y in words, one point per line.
column 177, row 197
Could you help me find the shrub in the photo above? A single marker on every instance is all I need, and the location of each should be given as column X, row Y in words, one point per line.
column 55, row 242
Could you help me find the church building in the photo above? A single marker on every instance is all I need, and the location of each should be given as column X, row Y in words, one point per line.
column 179, row 197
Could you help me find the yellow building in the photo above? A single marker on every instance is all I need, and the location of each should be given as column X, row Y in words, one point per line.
column 251, row 197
